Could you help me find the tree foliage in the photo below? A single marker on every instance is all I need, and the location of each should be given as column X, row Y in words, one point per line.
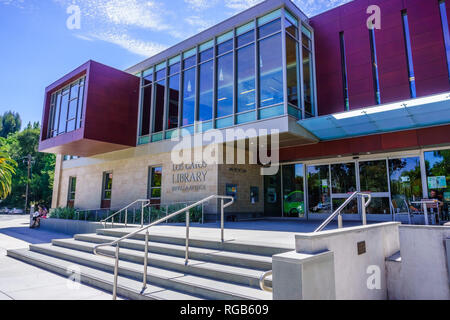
column 10, row 123
column 19, row 145
column 7, row 171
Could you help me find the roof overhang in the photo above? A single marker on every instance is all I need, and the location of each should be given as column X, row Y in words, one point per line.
column 404, row 115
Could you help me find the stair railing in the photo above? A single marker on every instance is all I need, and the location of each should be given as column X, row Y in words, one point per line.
column 144, row 203
column 338, row 211
column 116, row 243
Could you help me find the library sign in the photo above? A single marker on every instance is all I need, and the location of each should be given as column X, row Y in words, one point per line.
column 189, row 177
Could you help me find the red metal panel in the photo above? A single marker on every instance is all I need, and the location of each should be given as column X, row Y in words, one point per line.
column 110, row 113
column 402, row 140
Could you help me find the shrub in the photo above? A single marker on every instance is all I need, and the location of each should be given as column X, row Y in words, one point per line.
column 63, row 213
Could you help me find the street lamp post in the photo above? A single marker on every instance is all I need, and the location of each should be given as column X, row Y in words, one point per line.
column 29, row 161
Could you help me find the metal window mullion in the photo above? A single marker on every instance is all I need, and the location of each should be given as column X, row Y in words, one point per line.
column 180, row 96
column 234, row 77
column 313, row 72
column 197, row 91
column 214, row 105
column 284, row 63
column 152, row 105
column 140, row 109
column 166, row 100
column 257, row 65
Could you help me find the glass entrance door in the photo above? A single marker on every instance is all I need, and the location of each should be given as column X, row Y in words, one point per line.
column 373, row 178
column 293, row 193
column 343, row 184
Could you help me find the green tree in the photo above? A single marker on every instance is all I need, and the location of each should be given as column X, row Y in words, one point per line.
column 10, row 123
column 7, row 171
column 20, row 145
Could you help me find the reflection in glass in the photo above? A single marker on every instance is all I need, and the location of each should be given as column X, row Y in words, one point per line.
column 379, row 206
column 319, row 189
column 190, row 62
column 146, row 107
column 343, row 178
column 373, row 176
column 291, row 28
column 291, row 62
column 189, row 97
column 293, row 195
column 351, row 208
column 206, row 91
column 272, row 195
column 245, row 38
column 269, row 28
column 158, row 117
column 406, row 182
column 174, row 96
column 225, row 85
column 270, row 69
column 246, row 78
column 155, row 183
column 438, row 179
column 225, row 47
column 63, row 113
column 308, row 82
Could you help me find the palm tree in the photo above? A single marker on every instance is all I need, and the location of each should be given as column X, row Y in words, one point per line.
column 7, row 170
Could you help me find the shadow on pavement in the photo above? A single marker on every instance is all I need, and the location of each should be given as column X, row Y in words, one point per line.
column 33, row 236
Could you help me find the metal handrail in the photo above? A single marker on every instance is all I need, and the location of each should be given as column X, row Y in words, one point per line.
column 338, row 211
column 144, row 203
column 262, row 279
column 172, row 215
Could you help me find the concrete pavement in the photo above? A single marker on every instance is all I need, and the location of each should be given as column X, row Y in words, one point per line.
column 21, row 281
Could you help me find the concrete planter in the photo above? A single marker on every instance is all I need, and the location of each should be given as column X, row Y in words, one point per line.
column 70, row 226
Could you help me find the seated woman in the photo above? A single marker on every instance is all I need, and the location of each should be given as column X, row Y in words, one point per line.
column 40, row 214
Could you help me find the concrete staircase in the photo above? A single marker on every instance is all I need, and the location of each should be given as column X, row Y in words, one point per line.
column 225, row 271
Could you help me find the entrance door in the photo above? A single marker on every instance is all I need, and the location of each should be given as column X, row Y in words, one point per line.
column 343, row 184
column 293, row 193
column 272, row 195
column 373, row 178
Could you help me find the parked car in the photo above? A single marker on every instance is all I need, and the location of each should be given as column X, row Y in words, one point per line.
column 294, row 205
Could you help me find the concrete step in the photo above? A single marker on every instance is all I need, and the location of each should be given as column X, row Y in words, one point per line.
column 253, row 261
column 207, row 243
column 177, row 281
column 211, row 270
column 127, row 288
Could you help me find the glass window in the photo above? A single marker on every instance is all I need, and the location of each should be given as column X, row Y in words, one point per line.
column 146, row 107
column 319, row 189
column 376, row 79
column 444, row 22
column 80, row 105
column 291, row 29
column 438, row 179
column 225, row 85
column 344, row 71
column 343, row 178
column 291, row 18
column 246, row 79
column 373, row 176
column 107, row 185
column 272, row 195
column 225, row 37
column 225, row 47
column 174, row 97
column 155, row 183
column 247, row 27
column 190, row 62
column 72, row 188
column 269, row 17
column 158, row 116
column 292, row 71
column 270, row 71
column 161, row 74
column 246, row 38
column 293, row 195
column 411, row 77
column 175, row 68
column 269, row 28
column 63, row 113
column 308, row 83
column 189, row 89
column 206, row 55
column 406, row 182
column 206, row 85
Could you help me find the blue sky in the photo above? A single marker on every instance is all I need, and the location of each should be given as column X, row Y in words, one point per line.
column 38, row 48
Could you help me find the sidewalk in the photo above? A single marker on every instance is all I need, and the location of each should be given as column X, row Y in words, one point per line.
column 21, row 281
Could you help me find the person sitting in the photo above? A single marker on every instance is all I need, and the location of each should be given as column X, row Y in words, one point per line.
column 40, row 214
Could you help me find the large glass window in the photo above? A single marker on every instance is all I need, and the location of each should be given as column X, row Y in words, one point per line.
column 225, row 85
column 376, row 79
column 174, row 96
column 270, row 71
column 319, row 189
column 343, row 178
column 189, row 89
column 246, row 79
column 147, row 91
column 374, row 179
column 344, row 71
column 206, row 85
column 66, row 108
column 292, row 70
column 158, row 114
column 71, row 192
column 308, row 82
column 438, row 179
column 293, row 195
column 406, row 182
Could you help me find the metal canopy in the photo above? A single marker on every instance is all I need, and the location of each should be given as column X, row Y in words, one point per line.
column 409, row 114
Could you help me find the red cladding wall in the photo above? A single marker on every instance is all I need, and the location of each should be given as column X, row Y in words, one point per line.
column 428, row 52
